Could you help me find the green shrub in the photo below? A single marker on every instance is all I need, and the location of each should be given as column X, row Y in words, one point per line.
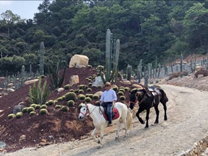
column 126, row 88
column 115, row 88
column 37, row 107
column 76, row 91
column 71, row 103
column 30, row 109
column 81, row 96
column 122, row 90
column 60, row 99
column 81, row 86
column 50, row 102
column 33, row 105
column 42, row 76
column 81, row 91
column 89, row 80
column 88, row 99
column 32, row 113
column 43, row 106
column 71, row 90
column 58, row 106
column 90, row 84
column 70, row 96
column 64, row 108
column 89, row 89
column 122, row 87
column 11, row 116
column 89, row 95
column 95, row 97
column 19, row 115
column 89, row 66
column 66, row 87
column 43, row 111
column 90, row 77
column 120, row 93
column 85, row 87
column 24, row 110
column 122, row 98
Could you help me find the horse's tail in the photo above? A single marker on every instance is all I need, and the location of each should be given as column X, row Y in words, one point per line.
column 164, row 98
column 129, row 120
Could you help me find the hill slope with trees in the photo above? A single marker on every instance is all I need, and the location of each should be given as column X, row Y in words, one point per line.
column 148, row 30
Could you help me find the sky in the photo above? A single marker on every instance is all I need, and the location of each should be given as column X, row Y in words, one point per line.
column 24, row 8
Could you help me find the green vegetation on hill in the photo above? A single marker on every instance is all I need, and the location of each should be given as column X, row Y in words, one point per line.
column 146, row 29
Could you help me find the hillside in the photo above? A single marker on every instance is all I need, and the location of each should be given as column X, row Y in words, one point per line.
column 149, row 30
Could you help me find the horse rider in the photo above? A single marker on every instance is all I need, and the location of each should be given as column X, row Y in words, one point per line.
column 107, row 100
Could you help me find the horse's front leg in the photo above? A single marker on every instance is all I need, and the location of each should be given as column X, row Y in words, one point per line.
column 101, row 136
column 137, row 114
column 147, row 118
column 93, row 134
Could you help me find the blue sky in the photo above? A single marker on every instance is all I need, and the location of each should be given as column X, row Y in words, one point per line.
column 25, row 9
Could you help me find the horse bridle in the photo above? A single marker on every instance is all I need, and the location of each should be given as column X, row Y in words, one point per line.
column 88, row 112
column 136, row 101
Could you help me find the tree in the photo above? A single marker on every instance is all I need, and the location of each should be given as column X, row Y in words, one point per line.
column 43, row 8
column 10, row 18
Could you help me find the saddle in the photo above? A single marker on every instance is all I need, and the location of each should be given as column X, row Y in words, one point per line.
column 115, row 114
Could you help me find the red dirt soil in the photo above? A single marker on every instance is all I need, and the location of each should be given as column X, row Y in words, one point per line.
column 54, row 127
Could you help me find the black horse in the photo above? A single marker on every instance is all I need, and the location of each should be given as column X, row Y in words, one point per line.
column 146, row 99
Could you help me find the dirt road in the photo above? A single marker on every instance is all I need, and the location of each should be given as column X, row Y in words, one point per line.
column 187, row 123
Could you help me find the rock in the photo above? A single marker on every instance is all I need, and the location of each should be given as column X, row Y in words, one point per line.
column 74, row 79
column 10, row 90
column 79, row 61
column 125, row 82
column 22, row 137
column 10, row 85
column 60, row 90
column 31, row 81
column 2, row 144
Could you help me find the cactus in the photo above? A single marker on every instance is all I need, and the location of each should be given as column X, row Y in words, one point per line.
column 42, row 52
column 23, row 75
column 146, row 77
column 159, row 69
column 111, row 58
column 55, row 79
column 30, row 70
column 129, row 72
column 181, row 64
column 39, row 94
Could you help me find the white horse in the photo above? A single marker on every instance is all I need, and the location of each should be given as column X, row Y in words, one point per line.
column 100, row 123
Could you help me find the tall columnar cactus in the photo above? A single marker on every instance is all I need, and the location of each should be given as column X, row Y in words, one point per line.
column 42, row 52
column 159, row 69
column 108, row 54
column 181, row 63
column 30, row 70
column 129, row 72
column 146, row 77
column 23, row 75
column 111, row 58
column 117, row 51
column 150, row 70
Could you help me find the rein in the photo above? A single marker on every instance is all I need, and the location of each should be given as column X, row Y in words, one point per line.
column 88, row 112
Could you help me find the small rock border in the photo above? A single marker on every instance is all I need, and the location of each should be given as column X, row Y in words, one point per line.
column 198, row 147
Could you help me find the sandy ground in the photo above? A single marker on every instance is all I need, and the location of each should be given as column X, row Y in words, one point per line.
column 187, row 123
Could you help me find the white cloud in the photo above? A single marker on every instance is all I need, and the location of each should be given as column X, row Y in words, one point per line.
column 5, row 3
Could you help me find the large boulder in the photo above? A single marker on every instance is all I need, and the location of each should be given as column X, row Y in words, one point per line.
column 74, row 79
column 79, row 61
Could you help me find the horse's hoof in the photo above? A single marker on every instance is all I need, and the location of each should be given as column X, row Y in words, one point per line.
column 99, row 142
column 99, row 147
column 146, row 127
column 165, row 119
